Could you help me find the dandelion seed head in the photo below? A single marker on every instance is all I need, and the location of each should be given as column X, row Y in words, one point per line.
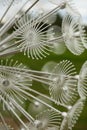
column 72, row 115
column 72, row 31
column 30, row 34
column 61, row 88
column 75, row 113
column 12, row 81
column 49, row 118
column 33, row 36
column 82, row 82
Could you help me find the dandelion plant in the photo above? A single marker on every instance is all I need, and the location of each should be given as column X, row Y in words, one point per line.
column 51, row 98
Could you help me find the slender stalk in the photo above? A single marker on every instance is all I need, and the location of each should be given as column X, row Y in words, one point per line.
column 6, row 11
column 8, row 24
column 40, row 80
column 44, row 103
column 4, row 54
column 27, row 115
column 3, row 121
column 12, row 110
column 18, row 15
column 31, row 6
column 34, row 73
column 16, row 105
column 10, row 37
column 7, row 39
column 44, row 96
column 51, row 12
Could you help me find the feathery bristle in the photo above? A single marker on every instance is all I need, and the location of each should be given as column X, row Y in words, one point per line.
column 72, row 116
column 31, row 37
column 46, row 120
column 64, row 86
column 82, row 82
column 72, row 34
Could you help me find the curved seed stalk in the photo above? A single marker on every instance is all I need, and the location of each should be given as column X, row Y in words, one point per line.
column 73, row 33
column 72, row 116
column 11, row 21
column 82, row 82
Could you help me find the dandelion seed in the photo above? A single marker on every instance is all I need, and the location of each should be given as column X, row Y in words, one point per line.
column 65, row 67
column 31, row 36
column 82, row 82
column 22, row 87
column 62, row 81
column 10, row 22
column 32, row 40
column 9, row 100
column 63, row 88
column 72, row 116
column 11, row 82
column 46, row 120
column 73, row 34
column 68, row 5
